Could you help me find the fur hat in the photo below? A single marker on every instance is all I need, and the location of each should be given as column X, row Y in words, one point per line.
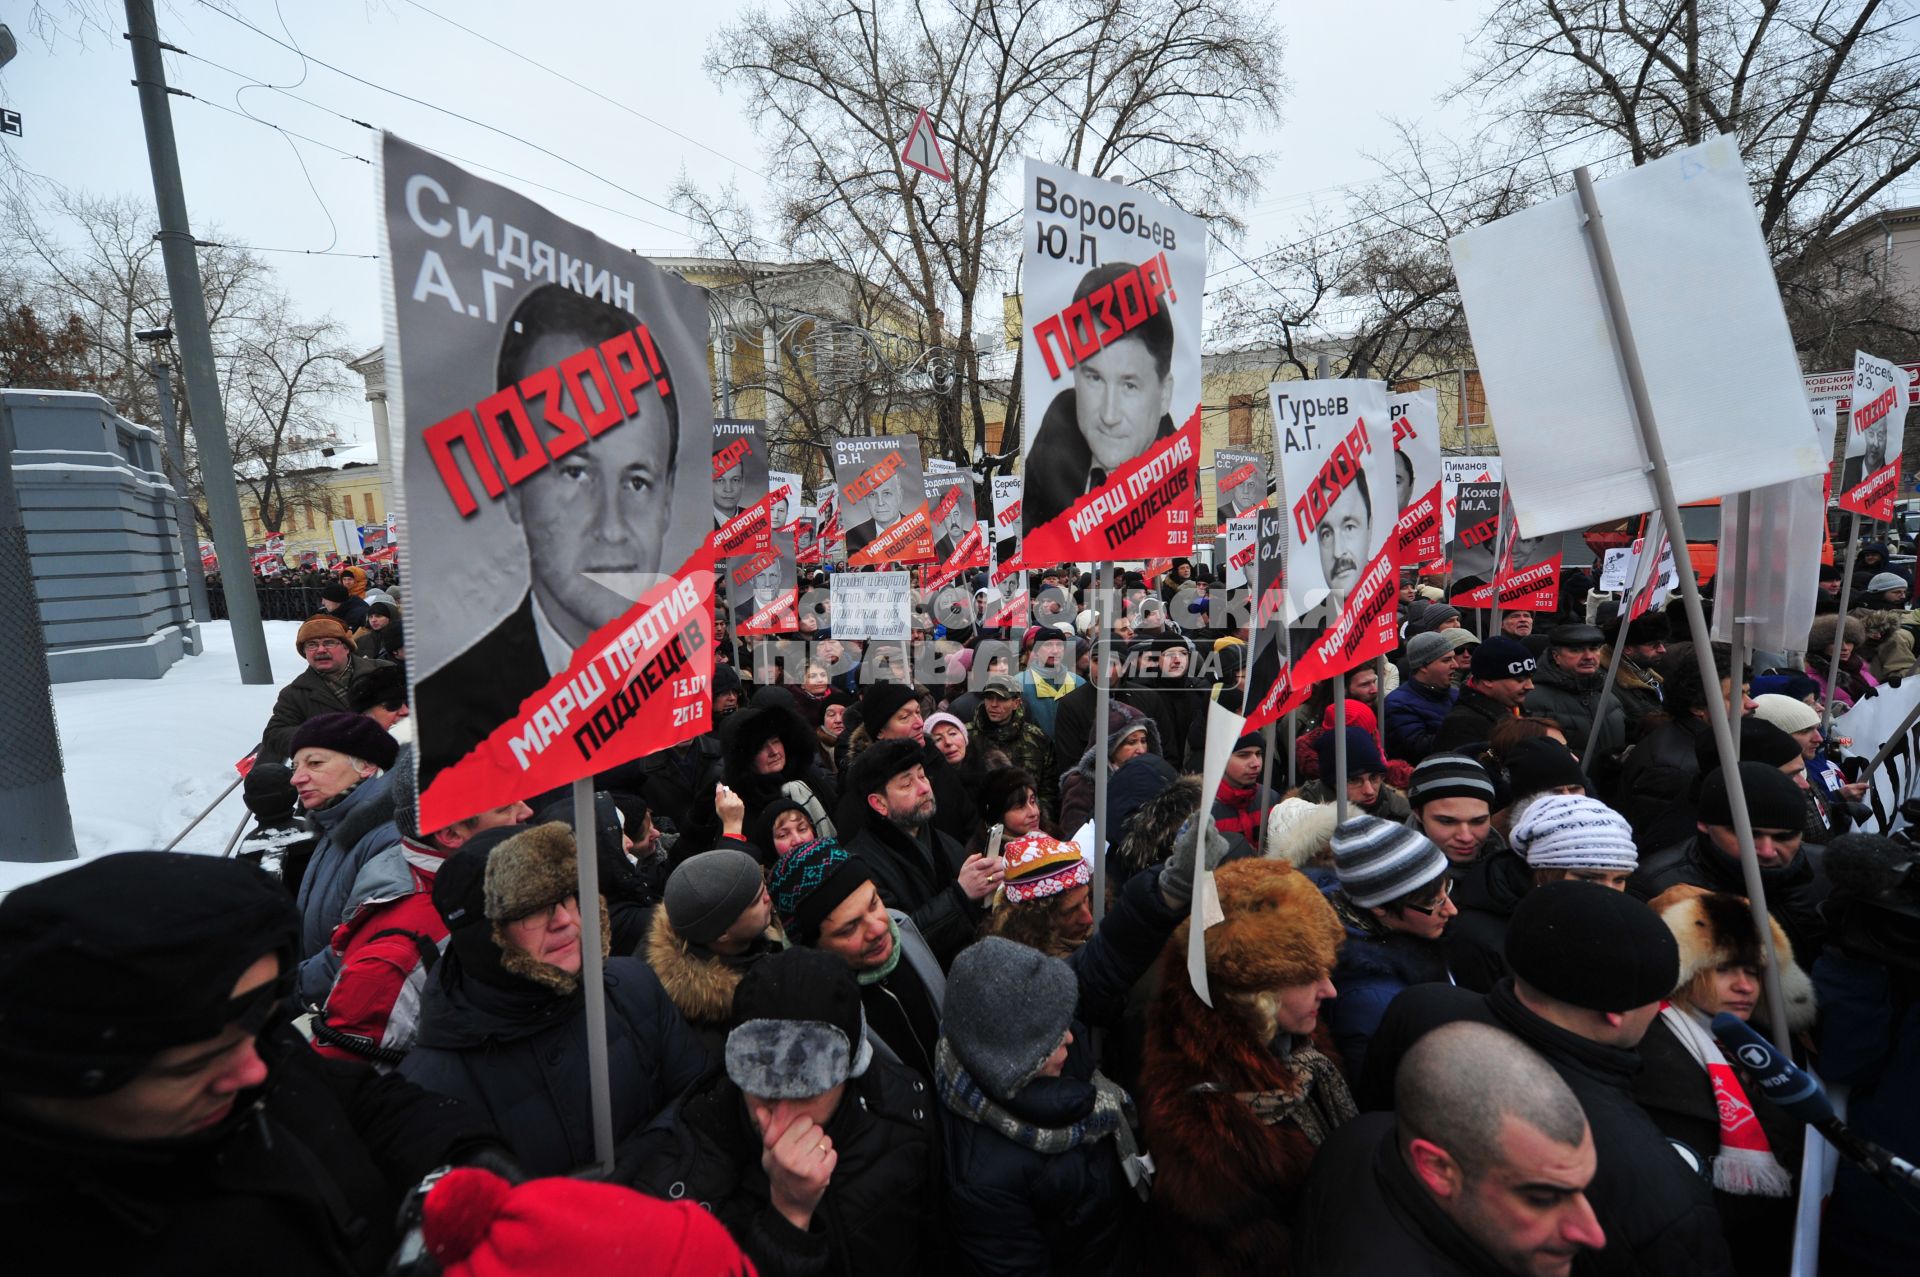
column 1278, row 929
column 1820, row 637
column 801, row 1030
column 1714, row 928
column 318, row 627
column 535, row 869
column 1301, row 833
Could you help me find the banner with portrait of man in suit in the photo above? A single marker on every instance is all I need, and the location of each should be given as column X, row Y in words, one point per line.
column 552, row 436
column 1111, row 305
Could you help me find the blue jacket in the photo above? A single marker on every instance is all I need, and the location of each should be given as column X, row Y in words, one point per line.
column 353, row 831
column 1374, row 965
column 1414, row 714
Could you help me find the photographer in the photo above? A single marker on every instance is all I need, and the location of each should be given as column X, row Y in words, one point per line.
column 1868, row 985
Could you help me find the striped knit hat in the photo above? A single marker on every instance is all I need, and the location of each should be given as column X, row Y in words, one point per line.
column 1449, row 776
column 1571, row 831
column 1378, row 861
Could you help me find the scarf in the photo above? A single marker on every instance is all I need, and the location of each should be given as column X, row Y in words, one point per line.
column 1745, row 1165
column 1316, row 1100
column 1243, row 812
column 885, row 969
column 1051, row 692
column 964, row 1096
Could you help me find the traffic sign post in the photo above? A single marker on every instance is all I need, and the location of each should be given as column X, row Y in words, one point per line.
column 922, row 150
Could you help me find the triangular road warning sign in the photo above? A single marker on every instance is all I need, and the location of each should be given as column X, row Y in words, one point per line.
column 922, row 150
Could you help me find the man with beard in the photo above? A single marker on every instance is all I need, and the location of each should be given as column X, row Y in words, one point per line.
column 1343, row 535
column 886, row 505
column 600, row 509
column 1569, row 690
column 1118, row 407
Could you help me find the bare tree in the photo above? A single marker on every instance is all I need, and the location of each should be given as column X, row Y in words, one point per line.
column 1154, row 91
column 1823, row 95
column 279, row 374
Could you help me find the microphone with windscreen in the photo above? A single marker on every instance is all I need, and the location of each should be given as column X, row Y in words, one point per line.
column 1797, row 1093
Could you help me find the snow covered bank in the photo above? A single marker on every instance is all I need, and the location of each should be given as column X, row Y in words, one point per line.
column 143, row 756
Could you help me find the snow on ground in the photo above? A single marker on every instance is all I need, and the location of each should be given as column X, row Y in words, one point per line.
column 143, row 756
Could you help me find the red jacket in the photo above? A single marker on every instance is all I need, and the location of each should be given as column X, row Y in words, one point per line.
column 386, row 948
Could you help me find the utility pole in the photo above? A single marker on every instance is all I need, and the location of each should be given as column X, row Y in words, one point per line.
column 196, row 347
column 177, row 462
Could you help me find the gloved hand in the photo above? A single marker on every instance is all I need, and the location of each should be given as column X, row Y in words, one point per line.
column 1176, row 875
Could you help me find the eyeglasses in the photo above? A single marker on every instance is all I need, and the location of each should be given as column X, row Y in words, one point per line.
column 1434, row 907
column 325, row 642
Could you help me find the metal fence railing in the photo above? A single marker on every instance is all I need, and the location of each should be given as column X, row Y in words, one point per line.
column 277, row 602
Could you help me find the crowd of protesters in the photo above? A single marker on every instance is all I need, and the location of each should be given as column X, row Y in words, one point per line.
column 864, row 1015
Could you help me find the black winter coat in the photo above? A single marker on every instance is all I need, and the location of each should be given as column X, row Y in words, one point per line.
column 674, row 779
column 1363, row 1214
column 304, row 1179
column 1573, row 702
column 1656, row 783
column 1677, row 1093
column 1657, row 1211
column 1074, row 725
column 881, row 1210
column 520, row 1055
column 921, row 880
column 1016, row 1211
column 1469, row 722
column 1794, row 892
column 1476, row 941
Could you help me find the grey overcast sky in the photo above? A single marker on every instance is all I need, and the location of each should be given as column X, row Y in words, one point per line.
column 1352, row 67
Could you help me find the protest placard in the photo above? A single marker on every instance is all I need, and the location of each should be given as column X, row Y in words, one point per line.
column 1113, row 281
column 1416, row 476
column 1476, row 528
column 1243, row 546
column 959, row 541
column 1529, row 568
column 550, row 408
column 1876, row 430
column 1239, row 483
column 1006, row 522
column 762, row 589
column 1455, row 471
column 1009, row 604
column 806, row 537
column 1879, row 723
column 871, row 605
column 1335, row 445
column 1699, row 289
column 785, row 492
column 831, row 535
column 1785, row 538
column 740, row 510
column 882, row 500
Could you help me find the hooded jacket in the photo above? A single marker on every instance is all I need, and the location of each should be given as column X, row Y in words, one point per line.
column 518, row 1051
column 1375, row 964
column 355, row 829
column 1794, row 891
column 305, row 1178
column 1475, row 941
column 1657, row 1212
column 1415, row 712
column 799, row 778
column 1077, row 785
column 699, row 981
column 1574, row 701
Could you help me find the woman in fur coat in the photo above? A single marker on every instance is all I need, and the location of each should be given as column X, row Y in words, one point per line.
column 1238, row 1097
column 1704, row 1100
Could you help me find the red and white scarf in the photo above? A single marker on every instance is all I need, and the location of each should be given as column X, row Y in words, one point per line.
column 1745, row 1165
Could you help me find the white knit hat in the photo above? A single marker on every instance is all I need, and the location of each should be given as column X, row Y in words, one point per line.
column 1784, row 712
column 1572, row 831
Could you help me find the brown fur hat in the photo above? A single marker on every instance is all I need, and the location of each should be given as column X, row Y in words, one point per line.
column 1279, row 930
column 1714, row 928
column 529, row 872
column 1820, row 636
